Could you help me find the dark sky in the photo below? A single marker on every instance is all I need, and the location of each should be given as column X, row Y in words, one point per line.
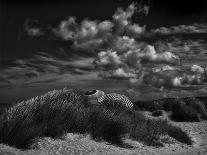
column 52, row 12
column 14, row 12
column 97, row 8
column 55, row 10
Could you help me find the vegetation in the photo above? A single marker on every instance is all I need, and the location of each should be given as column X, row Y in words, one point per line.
column 182, row 109
column 149, row 130
column 66, row 111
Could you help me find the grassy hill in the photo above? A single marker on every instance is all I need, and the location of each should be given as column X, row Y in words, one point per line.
column 59, row 112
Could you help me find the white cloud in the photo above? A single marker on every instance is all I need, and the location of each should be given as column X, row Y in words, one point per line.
column 134, row 30
column 122, row 18
column 93, row 34
column 175, row 78
column 67, row 29
column 195, row 28
column 150, row 55
column 124, row 43
column 108, row 59
column 119, row 73
column 197, row 69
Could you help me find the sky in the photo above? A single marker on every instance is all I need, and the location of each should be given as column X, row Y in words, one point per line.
column 162, row 13
column 40, row 38
column 14, row 12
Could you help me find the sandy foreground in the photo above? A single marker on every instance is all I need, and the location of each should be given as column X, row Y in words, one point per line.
column 83, row 144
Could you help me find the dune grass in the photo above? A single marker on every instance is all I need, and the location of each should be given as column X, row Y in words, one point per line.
column 149, row 130
column 57, row 113
column 66, row 111
column 188, row 109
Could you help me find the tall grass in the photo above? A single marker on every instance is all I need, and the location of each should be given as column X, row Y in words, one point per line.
column 57, row 113
column 183, row 109
column 66, row 111
column 150, row 130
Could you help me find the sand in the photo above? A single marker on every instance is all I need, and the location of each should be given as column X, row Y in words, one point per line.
column 83, row 144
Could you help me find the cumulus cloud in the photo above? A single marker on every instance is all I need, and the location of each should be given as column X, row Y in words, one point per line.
column 94, row 34
column 176, row 77
column 119, row 54
column 123, row 44
column 67, row 29
column 149, row 54
column 146, row 66
column 127, row 55
column 108, row 59
column 86, row 35
column 197, row 69
column 135, row 30
column 131, row 62
column 122, row 20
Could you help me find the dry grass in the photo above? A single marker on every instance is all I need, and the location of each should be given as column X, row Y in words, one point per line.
column 150, row 130
column 66, row 111
column 182, row 109
column 57, row 113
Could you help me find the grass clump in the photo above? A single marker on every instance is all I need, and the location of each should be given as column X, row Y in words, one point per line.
column 157, row 113
column 66, row 111
column 188, row 109
column 149, row 130
column 182, row 109
column 57, row 113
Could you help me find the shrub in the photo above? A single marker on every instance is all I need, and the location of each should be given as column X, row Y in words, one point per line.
column 183, row 109
column 66, row 111
column 54, row 114
column 149, row 105
column 149, row 130
column 108, row 124
column 157, row 113
column 182, row 112
column 188, row 109
column 178, row 134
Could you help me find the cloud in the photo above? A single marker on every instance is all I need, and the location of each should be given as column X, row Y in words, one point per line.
column 34, row 28
column 118, row 73
column 88, row 35
column 119, row 54
column 108, row 59
column 43, row 64
column 150, row 55
column 194, row 28
column 67, row 29
column 143, row 65
column 197, row 69
column 123, row 44
column 129, row 62
column 127, row 55
column 122, row 18
column 93, row 34
column 174, row 77
column 135, row 30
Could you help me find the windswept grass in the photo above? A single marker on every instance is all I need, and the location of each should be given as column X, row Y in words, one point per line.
column 183, row 109
column 57, row 113
column 150, row 130
column 66, row 111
